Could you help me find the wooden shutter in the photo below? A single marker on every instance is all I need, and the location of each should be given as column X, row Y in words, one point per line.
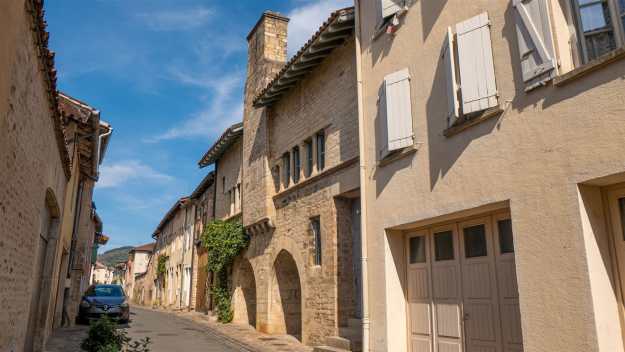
column 391, row 7
column 475, row 59
column 535, row 41
column 449, row 57
column 398, row 110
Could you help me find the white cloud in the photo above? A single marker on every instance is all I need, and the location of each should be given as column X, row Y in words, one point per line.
column 306, row 19
column 224, row 109
column 123, row 172
column 177, row 20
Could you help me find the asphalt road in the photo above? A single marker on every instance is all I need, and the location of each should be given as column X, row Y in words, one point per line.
column 170, row 333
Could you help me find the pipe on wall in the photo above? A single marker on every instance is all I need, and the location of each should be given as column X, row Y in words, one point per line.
column 363, row 186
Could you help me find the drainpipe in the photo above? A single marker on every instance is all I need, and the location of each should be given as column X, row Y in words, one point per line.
column 363, row 189
column 98, row 147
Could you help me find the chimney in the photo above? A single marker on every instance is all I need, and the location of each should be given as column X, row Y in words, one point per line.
column 267, row 49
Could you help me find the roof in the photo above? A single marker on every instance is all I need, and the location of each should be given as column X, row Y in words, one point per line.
column 231, row 135
column 94, row 133
column 148, row 247
column 170, row 214
column 203, row 186
column 332, row 34
column 41, row 36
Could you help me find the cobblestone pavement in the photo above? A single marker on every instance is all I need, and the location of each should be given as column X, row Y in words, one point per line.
column 184, row 331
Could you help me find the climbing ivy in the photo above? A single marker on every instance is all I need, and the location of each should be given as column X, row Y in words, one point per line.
column 223, row 240
column 161, row 266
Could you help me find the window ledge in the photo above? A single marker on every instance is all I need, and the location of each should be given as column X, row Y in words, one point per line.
column 465, row 123
column 399, row 154
column 314, row 178
column 590, row 67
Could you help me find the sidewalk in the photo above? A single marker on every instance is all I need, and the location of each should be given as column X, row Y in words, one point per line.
column 242, row 335
column 67, row 339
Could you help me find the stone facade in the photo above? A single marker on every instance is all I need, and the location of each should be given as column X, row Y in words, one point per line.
column 552, row 157
column 285, row 283
column 137, row 264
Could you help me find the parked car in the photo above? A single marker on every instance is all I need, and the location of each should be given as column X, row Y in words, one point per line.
column 104, row 300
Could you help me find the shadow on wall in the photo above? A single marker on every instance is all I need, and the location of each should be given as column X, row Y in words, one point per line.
column 444, row 151
column 432, row 10
column 286, row 305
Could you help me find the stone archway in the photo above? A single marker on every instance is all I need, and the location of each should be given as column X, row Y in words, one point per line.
column 244, row 295
column 286, row 296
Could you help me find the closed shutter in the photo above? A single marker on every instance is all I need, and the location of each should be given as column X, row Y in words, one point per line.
column 398, row 110
column 391, row 7
column 475, row 58
column 449, row 58
column 535, row 41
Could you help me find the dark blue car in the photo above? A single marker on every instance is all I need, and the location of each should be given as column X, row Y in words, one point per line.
column 104, row 300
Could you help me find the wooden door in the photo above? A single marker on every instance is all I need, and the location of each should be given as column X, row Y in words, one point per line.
column 419, row 292
column 512, row 338
column 480, row 299
column 446, row 288
column 616, row 202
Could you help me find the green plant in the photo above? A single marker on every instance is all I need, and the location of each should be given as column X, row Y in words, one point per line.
column 161, row 267
column 223, row 240
column 104, row 336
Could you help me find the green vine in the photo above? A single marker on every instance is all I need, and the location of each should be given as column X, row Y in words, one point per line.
column 223, row 240
column 161, row 267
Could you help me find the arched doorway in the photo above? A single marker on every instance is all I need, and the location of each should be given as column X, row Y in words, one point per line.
column 244, row 296
column 286, row 296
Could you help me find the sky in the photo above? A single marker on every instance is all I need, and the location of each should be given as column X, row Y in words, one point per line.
column 168, row 75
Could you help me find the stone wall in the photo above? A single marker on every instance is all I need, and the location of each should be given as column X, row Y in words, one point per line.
column 32, row 182
column 228, row 169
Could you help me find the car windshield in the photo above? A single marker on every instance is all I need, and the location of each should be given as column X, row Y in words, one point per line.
column 105, row 291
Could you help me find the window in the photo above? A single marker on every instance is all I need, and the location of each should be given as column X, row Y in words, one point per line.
column 506, row 243
column 321, row 150
column 223, row 184
column 297, row 167
column 286, row 168
column 315, row 227
column 308, row 146
column 391, row 7
column 475, row 241
column 598, row 26
column 472, row 66
column 398, row 112
column 417, row 250
column 444, row 245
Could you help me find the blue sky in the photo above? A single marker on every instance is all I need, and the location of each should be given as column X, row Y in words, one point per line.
column 168, row 76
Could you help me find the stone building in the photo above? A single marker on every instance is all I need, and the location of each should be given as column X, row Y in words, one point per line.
column 225, row 190
column 203, row 199
column 137, row 264
column 87, row 137
column 101, row 274
column 300, row 186
column 174, row 241
column 492, row 137
column 44, row 161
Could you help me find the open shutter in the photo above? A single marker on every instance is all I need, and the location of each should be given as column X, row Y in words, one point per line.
column 449, row 58
column 535, row 41
column 475, row 59
column 398, row 111
column 391, row 7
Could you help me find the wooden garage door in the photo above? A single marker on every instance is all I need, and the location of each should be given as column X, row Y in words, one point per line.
column 462, row 290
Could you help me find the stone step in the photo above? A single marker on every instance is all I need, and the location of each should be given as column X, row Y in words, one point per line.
column 329, row 349
column 338, row 342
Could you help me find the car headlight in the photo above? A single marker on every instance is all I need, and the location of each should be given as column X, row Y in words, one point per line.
column 85, row 304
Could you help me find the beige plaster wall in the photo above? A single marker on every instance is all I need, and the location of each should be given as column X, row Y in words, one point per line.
column 230, row 167
column 534, row 155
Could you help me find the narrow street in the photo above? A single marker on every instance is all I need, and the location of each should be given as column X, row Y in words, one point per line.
column 172, row 333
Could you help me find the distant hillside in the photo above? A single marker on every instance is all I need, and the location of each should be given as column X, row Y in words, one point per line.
column 114, row 256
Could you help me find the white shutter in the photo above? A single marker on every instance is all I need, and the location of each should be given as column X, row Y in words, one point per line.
column 475, row 58
column 452, row 83
column 398, row 111
column 391, row 7
column 535, row 41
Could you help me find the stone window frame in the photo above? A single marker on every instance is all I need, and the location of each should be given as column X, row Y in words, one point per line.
column 315, row 230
